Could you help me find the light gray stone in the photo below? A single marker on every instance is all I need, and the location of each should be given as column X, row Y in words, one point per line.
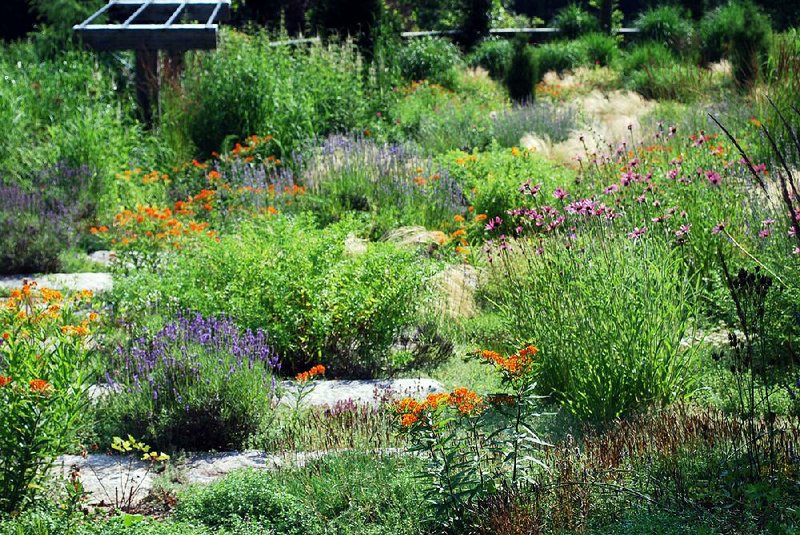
column 96, row 282
column 371, row 392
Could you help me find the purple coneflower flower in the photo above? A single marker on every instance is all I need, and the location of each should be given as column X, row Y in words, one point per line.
column 637, row 233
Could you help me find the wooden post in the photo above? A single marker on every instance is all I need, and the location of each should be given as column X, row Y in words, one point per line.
column 147, row 83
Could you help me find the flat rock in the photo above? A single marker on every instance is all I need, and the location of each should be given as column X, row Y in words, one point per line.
column 96, row 282
column 104, row 258
column 370, row 392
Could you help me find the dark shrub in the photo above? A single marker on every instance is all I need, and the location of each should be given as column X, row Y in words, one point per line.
column 475, row 23
column 740, row 32
column 668, row 25
column 522, row 74
column 349, row 18
column 599, row 48
column 494, row 55
column 574, row 21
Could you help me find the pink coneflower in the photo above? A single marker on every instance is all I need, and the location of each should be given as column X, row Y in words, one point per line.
column 764, row 233
column 713, row 177
column 559, row 194
column 718, row 227
column 637, row 233
column 613, row 188
column 641, row 198
column 493, row 223
column 672, row 174
column 796, row 250
column 683, row 230
column 767, row 222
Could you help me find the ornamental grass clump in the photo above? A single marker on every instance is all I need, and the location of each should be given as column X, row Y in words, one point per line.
column 198, row 383
column 475, row 445
column 43, row 385
column 612, row 311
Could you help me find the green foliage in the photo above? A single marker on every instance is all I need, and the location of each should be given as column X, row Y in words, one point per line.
column 494, row 177
column 246, row 495
column 667, row 25
column 247, row 87
column 740, row 32
column 315, row 299
column 559, row 56
column 630, row 295
column 599, row 48
column 522, row 73
column 684, row 83
column 494, row 55
column 647, row 55
column 429, row 58
column 573, row 21
column 66, row 110
column 43, row 390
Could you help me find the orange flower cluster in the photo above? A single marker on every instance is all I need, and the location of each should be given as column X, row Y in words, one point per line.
column 4, row 380
column 76, row 330
column 40, row 386
column 315, row 371
column 33, row 304
column 147, row 178
column 463, row 400
column 517, row 364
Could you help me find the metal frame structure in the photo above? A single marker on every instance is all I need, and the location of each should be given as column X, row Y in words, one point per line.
column 155, row 25
column 148, row 26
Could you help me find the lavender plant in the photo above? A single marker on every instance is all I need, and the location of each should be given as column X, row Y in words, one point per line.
column 540, row 118
column 392, row 182
column 198, row 383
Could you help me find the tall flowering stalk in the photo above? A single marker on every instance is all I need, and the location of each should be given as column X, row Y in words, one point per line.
column 475, row 445
column 199, row 382
column 43, row 384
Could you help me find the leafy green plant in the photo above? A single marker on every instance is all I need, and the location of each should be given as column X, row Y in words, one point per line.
column 494, row 55
column 246, row 495
column 667, row 25
column 647, row 55
column 475, row 446
column 740, row 32
column 573, row 21
column 43, row 388
column 559, row 56
column 429, row 58
column 314, row 298
column 600, row 49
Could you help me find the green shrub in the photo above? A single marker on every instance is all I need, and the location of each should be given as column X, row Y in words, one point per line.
column 559, row 56
column 522, row 73
column 667, row 25
column 246, row 495
column 315, row 299
column 573, row 21
column 740, row 32
column 429, row 58
column 647, row 55
column 599, row 48
column 247, row 87
column 684, row 83
column 609, row 315
column 494, row 55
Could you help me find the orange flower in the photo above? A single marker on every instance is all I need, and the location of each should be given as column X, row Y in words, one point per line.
column 6, row 335
column 458, row 218
column 40, row 386
column 457, row 233
column 93, row 316
column 302, row 377
column 408, row 420
column 480, row 217
column 214, row 175
column 198, row 164
column 4, row 380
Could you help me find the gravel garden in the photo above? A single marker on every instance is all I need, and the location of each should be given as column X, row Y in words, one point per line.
column 381, row 284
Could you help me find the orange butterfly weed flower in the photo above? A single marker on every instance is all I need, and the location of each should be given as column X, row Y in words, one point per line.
column 40, row 386
column 458, row 218
column 315, row 371
column 407, row 420
column 4, row 380
column 480, row 217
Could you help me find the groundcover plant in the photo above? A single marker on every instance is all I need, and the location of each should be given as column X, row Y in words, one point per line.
column 379, row 282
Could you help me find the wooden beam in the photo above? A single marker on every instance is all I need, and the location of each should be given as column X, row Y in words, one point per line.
column 158, row 11
column 149, row 36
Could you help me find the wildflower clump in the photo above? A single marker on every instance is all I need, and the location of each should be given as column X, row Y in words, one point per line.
column 43, row 384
